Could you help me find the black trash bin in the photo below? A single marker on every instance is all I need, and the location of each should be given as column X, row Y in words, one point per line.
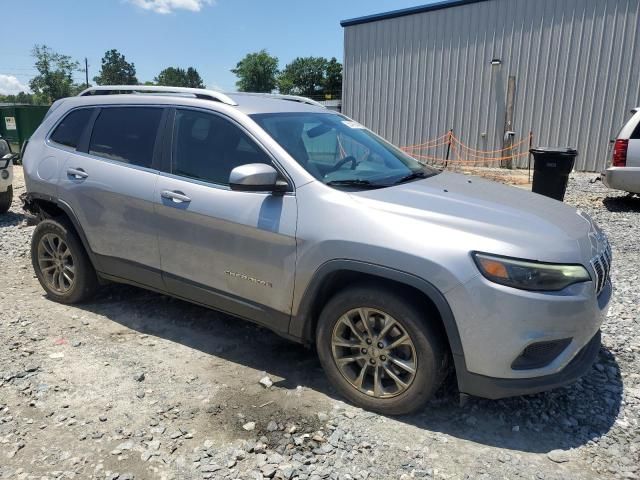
column 551, row 169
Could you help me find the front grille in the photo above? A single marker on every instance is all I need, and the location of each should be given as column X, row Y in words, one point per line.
column 540, row 354
column 602, row 267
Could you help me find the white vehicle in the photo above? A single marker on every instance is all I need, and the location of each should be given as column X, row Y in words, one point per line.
column 624, row 173
column 6, row 175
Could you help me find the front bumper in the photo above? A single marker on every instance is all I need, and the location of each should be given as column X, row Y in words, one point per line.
column 496, row 324
column 494, row 388
column 626, row 179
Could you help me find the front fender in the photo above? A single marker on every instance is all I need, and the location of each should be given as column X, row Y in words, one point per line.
column 302, row 323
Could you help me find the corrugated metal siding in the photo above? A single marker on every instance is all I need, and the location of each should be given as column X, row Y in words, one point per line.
column 576, row 63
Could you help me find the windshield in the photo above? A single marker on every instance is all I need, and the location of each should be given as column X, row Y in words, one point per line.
column 341, row 152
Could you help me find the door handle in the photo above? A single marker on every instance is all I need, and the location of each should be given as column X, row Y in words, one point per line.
column 175, row 196
column 77, row 173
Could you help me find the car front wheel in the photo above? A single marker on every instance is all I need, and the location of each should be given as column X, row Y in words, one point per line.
column 381, row 349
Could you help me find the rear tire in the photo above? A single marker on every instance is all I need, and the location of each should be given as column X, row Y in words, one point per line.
column 5, row 199
column 61, row 263
column 365, row 366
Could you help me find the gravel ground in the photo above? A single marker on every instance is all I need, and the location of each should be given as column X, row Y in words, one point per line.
column 139, row 385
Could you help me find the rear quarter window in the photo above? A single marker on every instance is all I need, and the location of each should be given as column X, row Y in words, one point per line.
column 70, row 129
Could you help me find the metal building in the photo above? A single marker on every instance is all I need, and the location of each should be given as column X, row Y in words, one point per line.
column 566, row 70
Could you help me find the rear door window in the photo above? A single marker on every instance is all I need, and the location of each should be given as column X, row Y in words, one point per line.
column 126, row 134
column 69, row 130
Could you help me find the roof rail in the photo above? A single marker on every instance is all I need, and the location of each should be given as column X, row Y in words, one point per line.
column 150, row 89
column 296, row 98
column 280, row 96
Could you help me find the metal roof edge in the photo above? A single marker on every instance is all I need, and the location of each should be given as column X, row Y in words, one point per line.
column 407, row 11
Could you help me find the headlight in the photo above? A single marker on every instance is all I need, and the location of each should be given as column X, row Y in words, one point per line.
column 529, row 275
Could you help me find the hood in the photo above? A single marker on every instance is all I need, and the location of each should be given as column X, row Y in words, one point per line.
column 524, row 221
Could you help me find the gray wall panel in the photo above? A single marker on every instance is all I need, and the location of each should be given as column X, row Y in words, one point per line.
column 576, row 63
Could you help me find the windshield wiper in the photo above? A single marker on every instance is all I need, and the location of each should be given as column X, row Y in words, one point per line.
column 354, row 182
column 412, row 176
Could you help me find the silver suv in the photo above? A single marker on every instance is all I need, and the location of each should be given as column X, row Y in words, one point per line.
column 289, row 215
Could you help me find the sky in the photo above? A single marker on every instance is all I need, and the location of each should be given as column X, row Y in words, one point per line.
column 210, row 35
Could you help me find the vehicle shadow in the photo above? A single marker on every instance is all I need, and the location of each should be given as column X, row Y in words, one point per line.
column 567, row 417
column 626, row 203
column 11, row 219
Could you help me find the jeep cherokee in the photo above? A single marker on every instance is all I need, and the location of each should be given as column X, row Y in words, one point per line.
column 278, row 211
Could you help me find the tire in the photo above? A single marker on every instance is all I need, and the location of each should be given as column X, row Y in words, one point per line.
column 427, row 348
column 49, row 255
column 5, row 199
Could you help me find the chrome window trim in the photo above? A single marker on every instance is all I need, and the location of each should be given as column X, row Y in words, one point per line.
column 115, row 162
column 218, row 186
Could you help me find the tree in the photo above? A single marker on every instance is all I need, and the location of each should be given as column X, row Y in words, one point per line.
column 193, row 78
column 257, row 72
column 179, row 77
column 303, row 76
column 20, row 98
column 54, row 79
column 116, row 70
column 333, row 78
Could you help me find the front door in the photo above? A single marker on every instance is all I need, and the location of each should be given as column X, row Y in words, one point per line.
column 232, row 250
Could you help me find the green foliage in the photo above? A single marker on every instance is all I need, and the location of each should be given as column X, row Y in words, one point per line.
column 303, row 76
column 257, row 72
column 311, row 77
column 193, row 78
column 54, row 79
column 179, row 77
column 116, row 70
column 333, row 79
column 20, row 98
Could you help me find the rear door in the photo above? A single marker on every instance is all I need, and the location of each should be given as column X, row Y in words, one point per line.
column 109, row 182
column 231, row 250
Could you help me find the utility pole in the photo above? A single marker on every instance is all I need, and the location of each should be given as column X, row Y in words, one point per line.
column 86, row 71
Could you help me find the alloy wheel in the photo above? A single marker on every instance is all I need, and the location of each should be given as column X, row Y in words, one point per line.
column 374, row 352
column 56, row 263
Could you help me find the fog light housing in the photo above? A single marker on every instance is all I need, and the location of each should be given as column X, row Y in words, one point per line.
column 540, row 354
column 4, row 174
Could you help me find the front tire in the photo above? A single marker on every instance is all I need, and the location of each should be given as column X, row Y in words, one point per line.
column 5, row 199
column 380, row 350
column 61, row 263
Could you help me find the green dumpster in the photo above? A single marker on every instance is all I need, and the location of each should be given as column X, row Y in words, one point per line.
column 18, row 122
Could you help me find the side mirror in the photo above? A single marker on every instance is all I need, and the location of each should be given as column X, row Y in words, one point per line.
column 256, row 177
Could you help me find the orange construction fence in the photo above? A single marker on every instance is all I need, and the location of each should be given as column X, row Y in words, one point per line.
column 460, row 153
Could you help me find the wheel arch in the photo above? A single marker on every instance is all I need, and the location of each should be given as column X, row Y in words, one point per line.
column 44, row 206
column 332, row 275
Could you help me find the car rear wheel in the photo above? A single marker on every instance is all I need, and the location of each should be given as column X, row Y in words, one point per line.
column 61, row 263
column 6, row 199
column 380, row 350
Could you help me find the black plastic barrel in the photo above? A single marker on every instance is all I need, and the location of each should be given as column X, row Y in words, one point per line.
column 551, row 169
